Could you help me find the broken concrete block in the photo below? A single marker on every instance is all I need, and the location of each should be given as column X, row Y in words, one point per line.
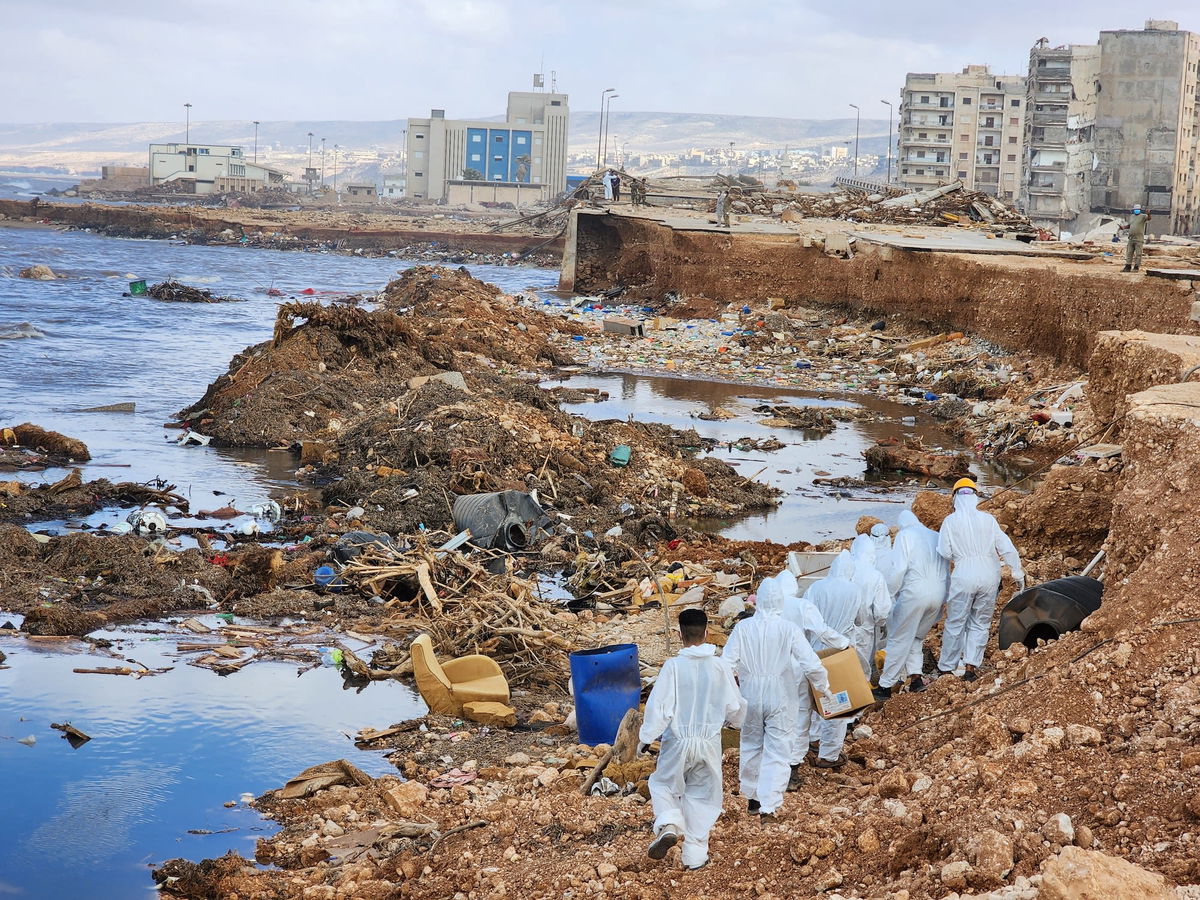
column 1077, row 874
column 487, row 712
column 454, row 379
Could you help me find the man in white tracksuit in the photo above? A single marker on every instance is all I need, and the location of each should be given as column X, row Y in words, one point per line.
column 974, row 544
column 693, row 696
column 877, row 596
column 803, row 612
column 766, row 652
column 920, row 579
column 842, row 604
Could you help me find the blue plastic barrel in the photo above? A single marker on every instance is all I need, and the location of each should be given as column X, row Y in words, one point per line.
column 607, row 684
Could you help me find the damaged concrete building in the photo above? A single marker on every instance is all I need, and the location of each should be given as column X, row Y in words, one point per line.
column 1062, row 94
column 964, row 126
column 1113, row 125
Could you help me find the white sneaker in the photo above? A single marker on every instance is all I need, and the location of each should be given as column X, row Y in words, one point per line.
column 666, row 839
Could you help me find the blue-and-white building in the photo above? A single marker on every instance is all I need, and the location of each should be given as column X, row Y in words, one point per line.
column 522, row 158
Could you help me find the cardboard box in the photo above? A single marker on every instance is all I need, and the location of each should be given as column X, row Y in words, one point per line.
column 847, row 683
column 619, row 325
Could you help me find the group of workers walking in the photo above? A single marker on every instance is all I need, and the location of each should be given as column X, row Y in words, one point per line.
column 611, row 182
column 881, row 594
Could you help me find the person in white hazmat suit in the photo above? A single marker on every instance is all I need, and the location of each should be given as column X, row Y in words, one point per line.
column 876, row 595
column 767, row 653
column 693, row 696
column 885, row 554
column 974, row 545
column 803, row 612
column 920, row 580
column 842, row 605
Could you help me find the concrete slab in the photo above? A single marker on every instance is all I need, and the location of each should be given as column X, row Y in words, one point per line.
column 959, row 241
column 1182, row 274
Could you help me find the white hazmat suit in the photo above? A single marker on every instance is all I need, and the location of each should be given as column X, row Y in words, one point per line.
column 768, row 653
column 692, row 698
column 841, row 604
column 920, row 579
column 803, row 612
column 875, row 594
column 973, row 542
column 885, row 558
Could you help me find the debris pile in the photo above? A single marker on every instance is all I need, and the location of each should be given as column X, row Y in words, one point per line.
column 945, row 206
column 30, row 446
column 38, row 272
column 325, row 364
column 72, row 496
column 176, row 292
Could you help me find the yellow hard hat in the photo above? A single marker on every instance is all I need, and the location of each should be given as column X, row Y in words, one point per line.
column 964, row 483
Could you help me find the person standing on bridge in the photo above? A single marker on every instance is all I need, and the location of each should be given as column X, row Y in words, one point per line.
column 1137, row 239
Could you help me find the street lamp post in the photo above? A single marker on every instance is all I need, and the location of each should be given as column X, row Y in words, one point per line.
column 600, row 130
column 256, row 123
column 888, row 104
column 607, row 121
column 335, row 160
column 308, row 171
column 322, row 163
column 731, row 160
column 857, row 117
column 187, row 123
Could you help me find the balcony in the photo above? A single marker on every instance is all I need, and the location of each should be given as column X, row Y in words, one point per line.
column 932, row 104
column 925, row 141
column 1051, row 97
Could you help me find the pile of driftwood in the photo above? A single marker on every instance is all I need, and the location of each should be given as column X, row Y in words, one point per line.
column 170, row 291
column 465, row 608
column 913, row 458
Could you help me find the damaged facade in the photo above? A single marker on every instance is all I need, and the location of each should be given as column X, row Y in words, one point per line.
column 1060, row 135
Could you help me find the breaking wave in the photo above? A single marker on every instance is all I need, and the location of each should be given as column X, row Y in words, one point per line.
column 16, row 331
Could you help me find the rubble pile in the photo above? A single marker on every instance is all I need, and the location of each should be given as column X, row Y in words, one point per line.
column 176, row 292
column 72, row 496
column 442, row 440
column 325, row 364
column 30, row 446
column 946, row 206
column 78, row 583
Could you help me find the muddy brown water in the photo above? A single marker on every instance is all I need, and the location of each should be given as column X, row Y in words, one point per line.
column 806, row 512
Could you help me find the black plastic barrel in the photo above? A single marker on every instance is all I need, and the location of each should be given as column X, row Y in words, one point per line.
column 1048, row 610
column 607, row 685
column 502, row 520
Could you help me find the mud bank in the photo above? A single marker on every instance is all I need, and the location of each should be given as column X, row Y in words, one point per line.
column 299, row 228
column 1054, row 307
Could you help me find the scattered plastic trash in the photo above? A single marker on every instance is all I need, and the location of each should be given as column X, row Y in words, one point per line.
column 28, row 741
column 271, row 511
column 605, row 787
column 332, row 656
column 190, row 437
column 621, row 455
column 146, row 521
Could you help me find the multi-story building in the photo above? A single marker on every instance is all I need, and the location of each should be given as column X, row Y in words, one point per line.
column 1062, row 95
column 1146, row 125
column 522, row 158
column 965, row 126
column 210, row 168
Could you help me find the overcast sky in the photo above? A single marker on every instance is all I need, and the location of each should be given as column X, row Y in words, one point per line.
column 141, row 60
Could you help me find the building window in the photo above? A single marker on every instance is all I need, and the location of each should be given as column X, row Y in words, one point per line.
column 966, row 101
column 964, row 137
column 922, row 135
column 498, row 158
column 920, row 171
column 476, row 157
column 419, row 175
column 556, row 103
column 1016, row 102
column 499, row 139
column 537, row 160
column 1012, row 157
column 962, row 174
column 1012, row 140
column 520, row 140
column 962, row 156
column 920, row 154
column 419, row 137
column 1014, row 121
column 537, row 142
column 520, row 121
column 475, row 138
column 418, row 154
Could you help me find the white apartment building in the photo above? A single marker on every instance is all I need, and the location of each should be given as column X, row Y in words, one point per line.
column 966, row 126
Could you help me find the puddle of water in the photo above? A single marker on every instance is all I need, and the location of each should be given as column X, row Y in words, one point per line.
column 166, row 753
column 806, row 512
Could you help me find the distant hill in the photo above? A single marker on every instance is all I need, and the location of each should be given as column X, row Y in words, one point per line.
column 642, row 132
